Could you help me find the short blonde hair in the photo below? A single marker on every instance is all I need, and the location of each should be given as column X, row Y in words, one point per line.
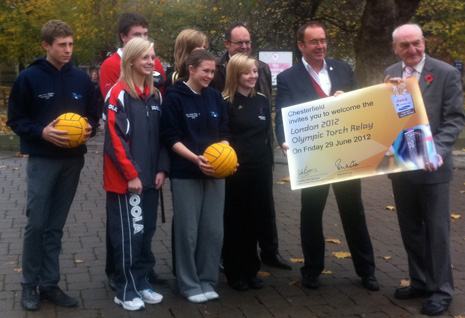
column 237, row 65
column 185, row 43
column 134, row 49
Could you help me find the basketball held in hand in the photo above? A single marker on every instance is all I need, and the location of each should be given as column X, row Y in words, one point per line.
column 75, row 126
column 223, row 159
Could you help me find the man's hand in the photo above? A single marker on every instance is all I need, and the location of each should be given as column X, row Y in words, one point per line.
column 55, row 136
column 394, row 80
column 430, row 167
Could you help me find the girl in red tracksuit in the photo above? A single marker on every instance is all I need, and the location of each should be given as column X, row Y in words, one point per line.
column 134, row 170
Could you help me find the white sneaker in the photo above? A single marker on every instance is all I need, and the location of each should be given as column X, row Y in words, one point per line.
column 132, row 305
column 212, row 295
column 198, row 299
column 150, row 297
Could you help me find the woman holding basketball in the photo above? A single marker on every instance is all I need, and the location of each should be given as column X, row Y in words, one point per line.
column 248, row 190
column 135, row 168
column 194, row 117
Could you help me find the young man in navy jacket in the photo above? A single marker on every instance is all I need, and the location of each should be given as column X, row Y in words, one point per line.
column 48, row 88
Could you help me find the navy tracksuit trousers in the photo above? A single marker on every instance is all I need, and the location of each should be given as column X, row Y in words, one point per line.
column 132, row 223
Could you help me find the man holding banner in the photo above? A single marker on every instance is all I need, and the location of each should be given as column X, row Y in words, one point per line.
column 313, row 78
column 422, row 196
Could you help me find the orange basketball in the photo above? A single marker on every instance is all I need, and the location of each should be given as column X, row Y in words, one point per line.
column 223, row 159
column 75, row 125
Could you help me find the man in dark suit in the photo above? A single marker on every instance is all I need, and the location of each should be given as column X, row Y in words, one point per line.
column 313, row 78
column 422, row 196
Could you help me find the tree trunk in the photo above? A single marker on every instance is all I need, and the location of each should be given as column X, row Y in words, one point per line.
column 373, row 46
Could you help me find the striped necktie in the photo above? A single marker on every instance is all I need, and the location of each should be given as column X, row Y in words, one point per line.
column 408, row 71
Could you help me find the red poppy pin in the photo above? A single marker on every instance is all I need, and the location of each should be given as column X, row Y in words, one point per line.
column 429, row 79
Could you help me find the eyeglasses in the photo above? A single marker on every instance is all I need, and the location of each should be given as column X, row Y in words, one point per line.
column 316, row 42
column 241, row 43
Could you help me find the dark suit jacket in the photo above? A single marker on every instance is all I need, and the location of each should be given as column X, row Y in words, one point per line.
column 263, row 84
column 443, row 99
column 295, row 87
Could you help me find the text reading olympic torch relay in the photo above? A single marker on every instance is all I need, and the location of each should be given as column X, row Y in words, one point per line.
column 375, row 130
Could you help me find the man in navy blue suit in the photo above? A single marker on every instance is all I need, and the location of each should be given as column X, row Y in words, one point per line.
column 313, row 78
column 422, row 196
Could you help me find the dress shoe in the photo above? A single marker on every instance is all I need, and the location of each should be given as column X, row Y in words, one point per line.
column 239, row 285
column 111, row 282
column 155, row 279
column 56, row 296
column 409, row 292
column 275, row 261
column 312, row 282
column 370, row 283
column 221, row 266
column 255, row 283
column 30, row 298
column 434, row 308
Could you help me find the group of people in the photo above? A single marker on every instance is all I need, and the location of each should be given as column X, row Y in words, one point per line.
column 158, row 127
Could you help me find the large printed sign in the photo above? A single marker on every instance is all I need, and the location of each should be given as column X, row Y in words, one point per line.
column 371, row 131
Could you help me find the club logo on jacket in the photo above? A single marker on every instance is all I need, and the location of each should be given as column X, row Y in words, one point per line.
column 153, row 107
column 46, row 95
column 192, row 115
column 136, row 213
column 113, row 108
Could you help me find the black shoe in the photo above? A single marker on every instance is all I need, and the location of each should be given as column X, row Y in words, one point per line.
column 312, row 282
column 221, row 266
column 275, row 261
column 111, row 281
column 239, row 285
column 409, row 292
column 56, row 296
column 30, row 298
column 370, row 283
column 255, row 283
column 434, row 308
column 155, row 279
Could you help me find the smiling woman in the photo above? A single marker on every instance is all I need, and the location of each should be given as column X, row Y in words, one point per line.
column 134, row 170
column 194, row 117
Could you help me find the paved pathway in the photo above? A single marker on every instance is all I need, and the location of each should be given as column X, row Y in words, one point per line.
column 340, row 295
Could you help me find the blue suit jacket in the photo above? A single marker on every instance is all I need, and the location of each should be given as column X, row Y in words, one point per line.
column 296, row 87
column 443, row 99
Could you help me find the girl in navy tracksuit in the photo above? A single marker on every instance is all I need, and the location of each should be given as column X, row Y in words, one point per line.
column 135, row 167
column 194, row 117
column 250, row 189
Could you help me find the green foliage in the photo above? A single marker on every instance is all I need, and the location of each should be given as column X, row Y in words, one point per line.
column 94, row 23
column 20, row 25
column 443, row 23
column 273, row 24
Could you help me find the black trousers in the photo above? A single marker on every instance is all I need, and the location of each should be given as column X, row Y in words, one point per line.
column 245, row 209
column 349, row 201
